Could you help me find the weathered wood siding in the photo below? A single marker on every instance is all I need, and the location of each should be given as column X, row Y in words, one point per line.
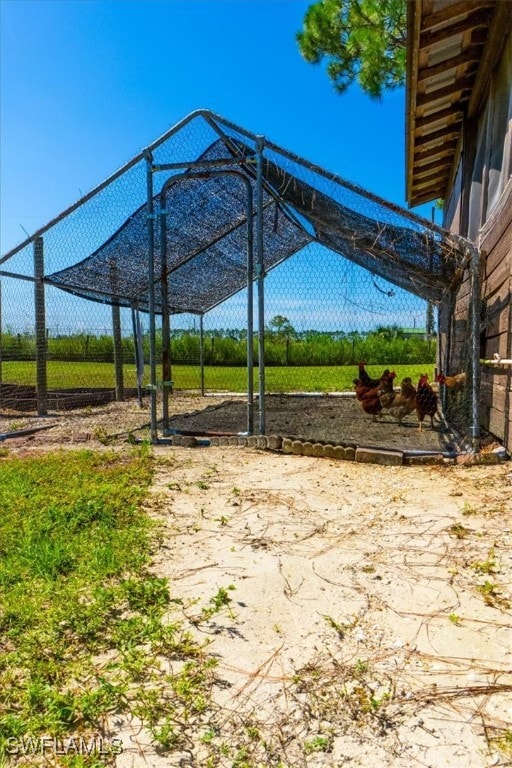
column 496, row 246
column 466, row 207
column 496, row 334
column 454, row 320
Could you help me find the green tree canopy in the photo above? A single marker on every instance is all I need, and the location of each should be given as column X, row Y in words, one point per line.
column 389, row 332
column 281, row 327
column 362, row 40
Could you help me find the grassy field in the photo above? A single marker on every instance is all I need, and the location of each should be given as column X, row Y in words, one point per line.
column 81, row 619
column 277, row 379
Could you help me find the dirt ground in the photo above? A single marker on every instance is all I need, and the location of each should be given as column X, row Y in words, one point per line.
column 336, row 419
column 370, row 620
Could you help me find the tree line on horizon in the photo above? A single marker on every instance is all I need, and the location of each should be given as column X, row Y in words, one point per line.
column 385, row 344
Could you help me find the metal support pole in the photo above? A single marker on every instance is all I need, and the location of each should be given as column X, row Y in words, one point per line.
column 475, row 347
column 151, row 292
column 261, row 278
column 118, row 352
column 166, row 329
column 201, row 164
column 41, row 342
column 1, row 334
column 250, row 318
column 201, row 352
column 138, row 354
column 444, row 355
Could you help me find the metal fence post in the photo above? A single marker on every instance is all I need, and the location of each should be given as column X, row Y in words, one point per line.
column 201, row 353
column 151, row 292
column 166, row 325
column 138, row 352
column 118, row 351
column 260, row 267
column 250, row 313
column 41, row 342
column 1, row 332
column 474, row 267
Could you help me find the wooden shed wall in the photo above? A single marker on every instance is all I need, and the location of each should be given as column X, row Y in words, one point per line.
column 466, row 201
column 496, row 330
column 496, row 247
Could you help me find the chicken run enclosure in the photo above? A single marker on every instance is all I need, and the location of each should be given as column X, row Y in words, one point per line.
column 216, row 263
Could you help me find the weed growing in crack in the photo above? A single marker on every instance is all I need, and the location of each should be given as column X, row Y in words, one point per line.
column 491, row 595
column 220, row 601
column 459, row 531
column 340, row 628
column 504, row 742
column 487, row 566
column 318, row 744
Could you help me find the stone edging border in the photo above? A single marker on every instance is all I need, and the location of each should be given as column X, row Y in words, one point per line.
column 300, row 447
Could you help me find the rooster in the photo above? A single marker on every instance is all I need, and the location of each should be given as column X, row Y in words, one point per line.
column 425, row 401
column 452, row 382
column 366, row 380
column 399, row 404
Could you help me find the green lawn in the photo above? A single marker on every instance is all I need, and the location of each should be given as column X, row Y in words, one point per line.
column 278, row 379
column 84, row 624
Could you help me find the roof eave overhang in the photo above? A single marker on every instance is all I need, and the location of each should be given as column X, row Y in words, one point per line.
column 447, row 45
column 413, row 34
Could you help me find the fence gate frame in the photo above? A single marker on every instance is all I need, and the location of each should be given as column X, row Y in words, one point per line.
column 208, row 169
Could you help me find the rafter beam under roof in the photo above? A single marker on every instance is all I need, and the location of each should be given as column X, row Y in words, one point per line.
column 431, row 170
column 453, row 12
column 479, row 17
column 447, row 115
column 442, row 135
column 460, row 86
column 447, row 41
column 470, row 56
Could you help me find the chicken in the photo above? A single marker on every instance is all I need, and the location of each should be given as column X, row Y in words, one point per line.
column 452, row 382
column 366, row 380
column 361, row 389
column 385, row 390
column 426, row 401
column 402, row 403
column 369, row 398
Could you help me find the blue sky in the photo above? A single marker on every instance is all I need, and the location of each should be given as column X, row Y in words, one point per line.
column 85, row 84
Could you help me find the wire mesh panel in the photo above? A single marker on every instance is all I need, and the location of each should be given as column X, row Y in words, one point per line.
column 323, row 317
column 17, row 342
column 80, row 350
column 348, row 280
column 455, row 374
